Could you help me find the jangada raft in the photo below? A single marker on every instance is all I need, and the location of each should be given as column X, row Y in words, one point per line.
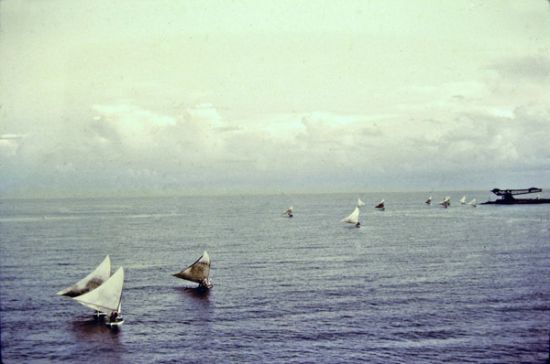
column 353, row 218
column 506, row 197
column 198, row 272
column 289, row 212
column 107, row 298
column 100, row 291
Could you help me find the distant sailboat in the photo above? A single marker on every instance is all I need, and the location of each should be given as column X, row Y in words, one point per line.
column 428, row 201
column 353, row 218
column 91, row 281
column 463, row 200
column 473, row 203
column 446, row 202
column 198, row 272
column 107, row 298
column 380, row 205
column 288, row 212
column 360, row 203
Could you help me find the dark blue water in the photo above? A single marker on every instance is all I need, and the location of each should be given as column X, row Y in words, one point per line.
column 416, row 284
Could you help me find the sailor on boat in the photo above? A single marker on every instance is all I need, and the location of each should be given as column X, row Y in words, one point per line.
column 206, row 283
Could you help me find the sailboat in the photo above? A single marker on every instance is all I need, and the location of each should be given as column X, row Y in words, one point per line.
column 380, row 205
column 106, row 298
column 473, row 203
column 198, row 272
column 428, row 201
column 91, row 281
column 463, row 200
column 360, row 203
column 288, row 212
column 446, row 202
column 353, row 218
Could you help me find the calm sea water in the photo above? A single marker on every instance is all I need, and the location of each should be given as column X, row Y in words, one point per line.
column 415, row 284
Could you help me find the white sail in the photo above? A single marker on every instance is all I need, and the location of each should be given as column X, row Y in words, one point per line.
column 463, row 200
column 105, row 298
column 197, row 272
column 473, row 202
column 91, row 281
column 288, row 211
column 353, row 218
column 447, row 200
column 360, row 203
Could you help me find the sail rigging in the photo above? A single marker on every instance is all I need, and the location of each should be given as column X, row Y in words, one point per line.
column 106, row 298
column 91, row 281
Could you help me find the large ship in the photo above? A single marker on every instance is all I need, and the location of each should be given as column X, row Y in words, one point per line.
column 506, row 197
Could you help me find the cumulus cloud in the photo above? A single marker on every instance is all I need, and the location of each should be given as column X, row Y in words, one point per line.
column 123, row 146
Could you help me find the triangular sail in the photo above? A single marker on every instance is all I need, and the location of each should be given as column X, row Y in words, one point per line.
column 353, row 218
column 197, row 272
column 463, row 200
column 360, row 203
column 429, row 200
column 473, row 202
column 105, row 298
column 91, row 281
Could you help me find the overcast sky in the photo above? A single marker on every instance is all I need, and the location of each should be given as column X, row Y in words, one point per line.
column 191, row 96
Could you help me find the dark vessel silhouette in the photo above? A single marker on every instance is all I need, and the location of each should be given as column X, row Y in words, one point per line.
column 506, row 197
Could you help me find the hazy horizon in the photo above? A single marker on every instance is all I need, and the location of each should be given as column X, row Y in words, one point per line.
column 157, row 97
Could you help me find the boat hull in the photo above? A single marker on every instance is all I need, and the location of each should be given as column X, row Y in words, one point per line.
column 519, row 201
column 114, row 323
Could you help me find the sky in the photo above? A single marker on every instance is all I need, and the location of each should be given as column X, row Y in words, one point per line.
column 209, row 96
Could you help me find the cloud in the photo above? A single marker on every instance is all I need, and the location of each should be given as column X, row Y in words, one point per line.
column 535, row 68
column 126, row 147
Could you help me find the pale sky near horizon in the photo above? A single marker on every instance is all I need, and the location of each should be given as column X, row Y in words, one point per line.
column 117, row 96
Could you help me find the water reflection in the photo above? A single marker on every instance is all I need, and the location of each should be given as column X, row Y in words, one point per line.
column 198, row 294
column 94, row 329
column 198, row 310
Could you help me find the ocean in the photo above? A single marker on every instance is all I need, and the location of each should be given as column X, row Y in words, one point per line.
column 414, row 284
